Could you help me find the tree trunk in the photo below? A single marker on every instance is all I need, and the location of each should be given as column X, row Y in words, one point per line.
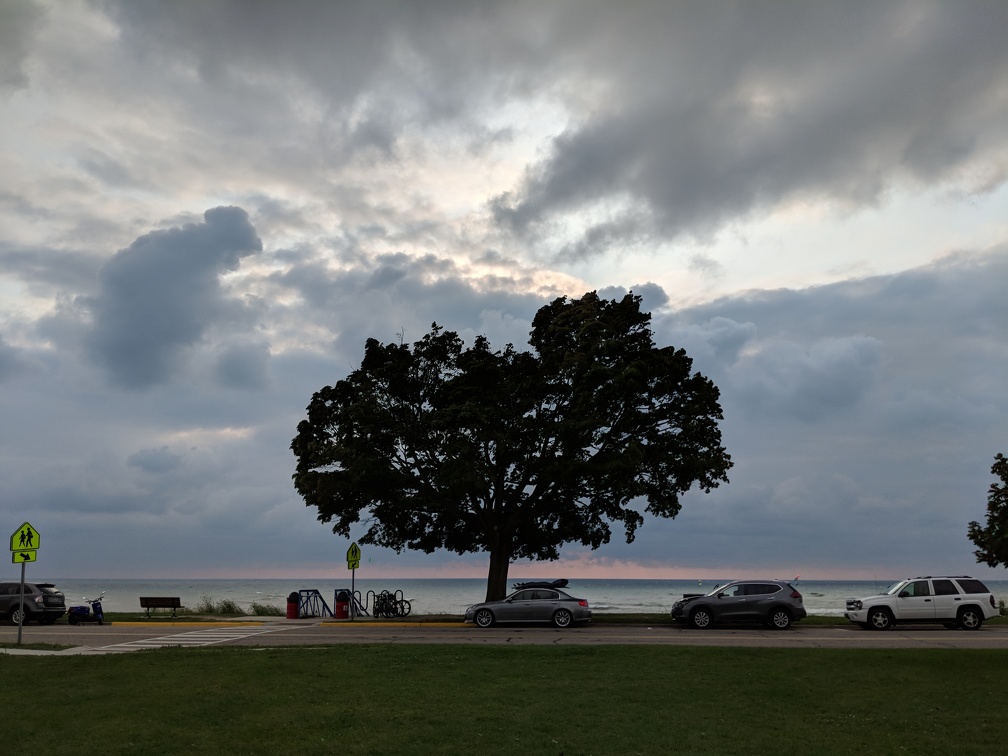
column 500, row 560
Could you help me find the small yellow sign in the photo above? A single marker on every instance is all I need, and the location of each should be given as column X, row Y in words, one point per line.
column 353, row 556
column 25, row 538
column 20, row 557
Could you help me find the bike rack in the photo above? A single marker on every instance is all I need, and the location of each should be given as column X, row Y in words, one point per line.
column 356, row 608
column 388, row 604
column 311, row 604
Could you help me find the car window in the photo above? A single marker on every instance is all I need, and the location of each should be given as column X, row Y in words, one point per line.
column 916, row 588
column 944, row 588
column 523, row 596
column 542, row 595
column 972, row 585
column 769, row 588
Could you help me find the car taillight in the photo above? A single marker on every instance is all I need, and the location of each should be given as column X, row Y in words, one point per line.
column 795, row 594
column 582, row 602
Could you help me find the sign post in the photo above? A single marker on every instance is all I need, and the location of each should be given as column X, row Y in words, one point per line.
column 352, row 563
column 24, row 543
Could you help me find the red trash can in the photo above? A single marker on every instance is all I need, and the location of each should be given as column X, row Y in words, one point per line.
column 342, row 605
column 293, row 606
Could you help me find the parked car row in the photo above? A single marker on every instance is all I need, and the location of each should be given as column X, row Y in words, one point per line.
column 957, row 601
column 954, row 601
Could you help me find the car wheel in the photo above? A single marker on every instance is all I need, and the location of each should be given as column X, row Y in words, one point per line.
column 15, row 617
column 484, row 618
column 970, row 618
column 700, row 618
column 880, row 618
column 780, row 619
column 562, row 618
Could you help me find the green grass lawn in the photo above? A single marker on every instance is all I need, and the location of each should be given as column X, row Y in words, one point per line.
column 392, row 699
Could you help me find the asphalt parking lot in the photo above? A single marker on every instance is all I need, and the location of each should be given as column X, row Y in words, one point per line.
column 122, row 636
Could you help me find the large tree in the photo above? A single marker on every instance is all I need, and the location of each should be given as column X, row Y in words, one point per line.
column 511, row 452
column 992, row 541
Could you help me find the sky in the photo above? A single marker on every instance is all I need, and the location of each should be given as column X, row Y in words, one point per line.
column 207, row 208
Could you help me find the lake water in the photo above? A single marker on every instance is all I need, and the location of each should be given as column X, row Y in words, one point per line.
column 453, row 595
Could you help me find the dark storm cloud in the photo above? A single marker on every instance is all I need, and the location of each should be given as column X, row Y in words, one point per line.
column 718, row 116
column 679, row 121
column 19, row 22
column 161, row 294
column 42, row 269
column 928, row 340
column 244, row 366
column 854, row 412
column 155, row 460
column 11, row 360
column 829, row 376
column 372, row 144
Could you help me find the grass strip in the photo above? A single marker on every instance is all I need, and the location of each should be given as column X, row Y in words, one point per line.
column 396, row 699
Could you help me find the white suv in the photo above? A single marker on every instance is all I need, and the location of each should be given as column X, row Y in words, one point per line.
column 957, row 601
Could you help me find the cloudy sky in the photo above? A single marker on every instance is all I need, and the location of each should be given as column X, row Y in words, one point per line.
column 206, row 208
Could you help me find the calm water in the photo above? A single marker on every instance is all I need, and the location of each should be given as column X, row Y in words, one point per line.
column 453, row 595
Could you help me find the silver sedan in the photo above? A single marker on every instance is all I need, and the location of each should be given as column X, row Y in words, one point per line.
column 544, row 605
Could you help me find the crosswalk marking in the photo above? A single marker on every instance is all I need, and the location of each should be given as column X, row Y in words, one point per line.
column 193, row 639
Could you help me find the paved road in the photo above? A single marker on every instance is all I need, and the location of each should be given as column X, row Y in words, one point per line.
column 121, row 637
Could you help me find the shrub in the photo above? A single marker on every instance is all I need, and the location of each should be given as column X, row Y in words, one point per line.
column 266, row 610
column 224, row 606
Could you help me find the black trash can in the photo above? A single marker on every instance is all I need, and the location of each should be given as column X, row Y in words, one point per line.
column 293, row 605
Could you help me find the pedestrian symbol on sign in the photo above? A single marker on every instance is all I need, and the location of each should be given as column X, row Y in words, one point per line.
column 25, row 538
column 353, row 556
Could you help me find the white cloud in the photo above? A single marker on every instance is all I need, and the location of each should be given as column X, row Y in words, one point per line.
column 208, row 207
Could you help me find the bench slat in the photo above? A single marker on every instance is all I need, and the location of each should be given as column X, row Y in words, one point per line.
column 161, row 602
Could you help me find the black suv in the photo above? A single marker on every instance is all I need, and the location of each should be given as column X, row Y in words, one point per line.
column 774, row 603
column 42, row 602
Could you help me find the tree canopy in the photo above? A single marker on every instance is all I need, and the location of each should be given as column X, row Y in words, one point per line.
column 511, row 452
column 992, row 541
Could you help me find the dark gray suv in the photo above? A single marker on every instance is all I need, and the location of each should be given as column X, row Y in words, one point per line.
column 774, row 603
column 42, row 602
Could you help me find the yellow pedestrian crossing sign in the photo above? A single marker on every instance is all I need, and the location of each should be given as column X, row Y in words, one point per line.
column 353, row 556
column 25, row 538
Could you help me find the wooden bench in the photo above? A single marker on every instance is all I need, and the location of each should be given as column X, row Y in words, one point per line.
column 160, row 602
